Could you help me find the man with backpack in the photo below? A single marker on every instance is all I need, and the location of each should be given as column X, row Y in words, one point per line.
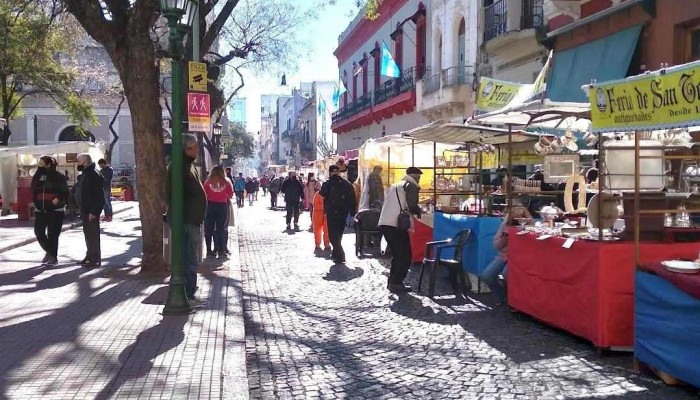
column 339, row 198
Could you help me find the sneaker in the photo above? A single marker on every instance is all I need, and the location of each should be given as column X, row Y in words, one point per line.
column 288, row 227
column 211, row 254
column 221, row 255
column 52, row 261
column 296, row 227
column 108, row 218
column 197, row 303
column 327, row 248
column 47, row 257
column 317, row 249
column 94, row 264
column 85, row 261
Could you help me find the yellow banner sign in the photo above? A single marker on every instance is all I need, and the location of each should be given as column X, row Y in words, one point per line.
column 494, row 94
column 198, row 76
column 660, row 100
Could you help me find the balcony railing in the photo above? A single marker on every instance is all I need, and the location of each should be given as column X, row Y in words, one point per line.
column 496, row 19
column 461, row 75
column 533, row 14
column 387, row 91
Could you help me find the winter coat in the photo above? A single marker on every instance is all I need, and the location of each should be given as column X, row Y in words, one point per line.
column 195, row 198
column 265, row 182
column 293, row 190
column 407, row 190
column 310, row 190
column 275, row 185
column 250, row 187
column 239, row 185
column 375, row 189
column 339, row 198
column 47, row 185
column 107, row 173
column 92, row 195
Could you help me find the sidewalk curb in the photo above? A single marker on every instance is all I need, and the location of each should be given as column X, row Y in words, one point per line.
column 65, row 228
column 234, row 372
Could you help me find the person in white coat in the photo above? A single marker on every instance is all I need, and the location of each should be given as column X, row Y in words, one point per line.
column 402, row 195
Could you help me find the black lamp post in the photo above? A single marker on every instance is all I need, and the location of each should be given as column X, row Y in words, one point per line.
column 180, row 15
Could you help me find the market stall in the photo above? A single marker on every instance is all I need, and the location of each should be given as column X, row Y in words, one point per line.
column 18, row 164
column 662, row 203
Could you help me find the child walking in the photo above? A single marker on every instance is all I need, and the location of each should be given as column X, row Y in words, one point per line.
column 320, row 224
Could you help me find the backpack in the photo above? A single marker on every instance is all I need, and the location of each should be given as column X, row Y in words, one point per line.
column 340, row 199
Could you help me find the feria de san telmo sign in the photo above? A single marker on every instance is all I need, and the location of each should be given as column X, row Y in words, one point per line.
column 662, row 99
column 495, row 94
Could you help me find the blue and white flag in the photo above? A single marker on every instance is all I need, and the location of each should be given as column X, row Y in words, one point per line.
column 337, row 93
column 389, row 67
column 321, row 105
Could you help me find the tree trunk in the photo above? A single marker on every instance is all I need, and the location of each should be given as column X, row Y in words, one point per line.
column 139, row 75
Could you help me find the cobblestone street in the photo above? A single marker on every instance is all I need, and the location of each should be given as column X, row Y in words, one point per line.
column 318, row 330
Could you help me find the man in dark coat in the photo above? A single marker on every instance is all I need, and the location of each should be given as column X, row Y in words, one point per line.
column 195, row 201
column 92, row 200
column 339, row 202
column 50, row 195
column 107, row 174
column 375, row 188
column 293, row 196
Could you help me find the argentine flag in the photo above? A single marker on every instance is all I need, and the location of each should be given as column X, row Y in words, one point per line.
column 389, row 66
column 337, row 93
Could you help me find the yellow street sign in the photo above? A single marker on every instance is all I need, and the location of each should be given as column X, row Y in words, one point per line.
column 198, row 76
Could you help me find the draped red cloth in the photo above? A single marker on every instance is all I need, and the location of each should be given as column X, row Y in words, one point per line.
column 420, row 235
column 587, row 290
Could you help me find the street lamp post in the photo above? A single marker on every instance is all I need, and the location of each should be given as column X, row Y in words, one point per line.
column 179, row 14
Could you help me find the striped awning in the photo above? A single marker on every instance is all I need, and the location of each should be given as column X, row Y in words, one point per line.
column 460, row 134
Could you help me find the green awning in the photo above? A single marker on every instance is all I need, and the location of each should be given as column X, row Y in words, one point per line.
column 604, row 59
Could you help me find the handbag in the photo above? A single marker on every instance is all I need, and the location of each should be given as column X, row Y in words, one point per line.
column 403, row 221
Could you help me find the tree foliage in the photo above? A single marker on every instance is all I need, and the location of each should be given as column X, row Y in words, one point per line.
column 33, row 34
column 240, row 145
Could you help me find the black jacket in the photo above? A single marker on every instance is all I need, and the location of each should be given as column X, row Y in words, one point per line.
column 293, row 190
column 339, row 197
column 195, row 199
column 250, row 187
column 107, row 173
column 48, row 184
column 92, row 195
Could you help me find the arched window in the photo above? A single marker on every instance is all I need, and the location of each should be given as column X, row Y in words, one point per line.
column 71, row 134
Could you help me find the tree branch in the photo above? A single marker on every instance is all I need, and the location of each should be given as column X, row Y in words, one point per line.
column 218, row 24
column 90, row 15
column 111, row 128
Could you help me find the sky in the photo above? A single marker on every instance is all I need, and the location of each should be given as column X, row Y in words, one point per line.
column 319, row 64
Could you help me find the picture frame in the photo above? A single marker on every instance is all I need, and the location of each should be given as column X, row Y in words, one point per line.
column 559, row 167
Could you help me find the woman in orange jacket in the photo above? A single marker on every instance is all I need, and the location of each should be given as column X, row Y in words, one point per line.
column 320, row 224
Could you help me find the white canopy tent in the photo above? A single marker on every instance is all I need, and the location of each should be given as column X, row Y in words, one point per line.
column 545, row 114
column 460, row 134
column 12, row 158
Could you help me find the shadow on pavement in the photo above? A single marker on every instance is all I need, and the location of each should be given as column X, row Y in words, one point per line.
column 342, row 273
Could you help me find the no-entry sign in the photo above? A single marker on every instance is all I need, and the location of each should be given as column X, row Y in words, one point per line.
column 198, row 113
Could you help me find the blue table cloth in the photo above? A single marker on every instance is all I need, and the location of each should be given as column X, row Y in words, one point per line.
column 479, row 251
column 666, row 328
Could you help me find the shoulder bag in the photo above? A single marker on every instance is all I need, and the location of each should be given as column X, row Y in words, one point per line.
column 403, row 221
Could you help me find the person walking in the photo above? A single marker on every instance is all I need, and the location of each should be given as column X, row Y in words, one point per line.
column 312, row 186
column 107, row 174
column 264, row 183
column 250, row 190
column 339, row 203
column 218, row 191
column 275, row 186
column 229, row 174
column 92, row 201
column 320, row 223
column 50, row 195
column 293, row 196
column 196, row 200
column 239, row 189
column 401, row 196
column 257, row 187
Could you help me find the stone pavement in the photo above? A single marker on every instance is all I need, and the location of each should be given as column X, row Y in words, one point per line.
column 16, row 233
column 70, row 332
column 318, row 330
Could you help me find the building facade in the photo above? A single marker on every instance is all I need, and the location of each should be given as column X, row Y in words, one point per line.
column 268, row 125
column 238, row 110
column 447, row 93
column 376, row 105
column 288, row 116
column 316, row 139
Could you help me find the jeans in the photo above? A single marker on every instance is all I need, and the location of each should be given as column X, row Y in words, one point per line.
column 251, row 197
column 192, row 241
column 239, row 198
column 273, row 200
column 490, row 277
column 292, row 210
column 47, row 228
column 215, row 226
column 401, row 255
column 91, row 230
column 108, row 202
column 336, row 227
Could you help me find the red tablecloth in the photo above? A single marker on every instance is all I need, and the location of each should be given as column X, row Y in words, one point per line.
column 689, row 283
column 587, row 290
column 420, row 235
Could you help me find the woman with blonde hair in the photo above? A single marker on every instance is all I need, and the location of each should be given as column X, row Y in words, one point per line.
column 219, row 192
